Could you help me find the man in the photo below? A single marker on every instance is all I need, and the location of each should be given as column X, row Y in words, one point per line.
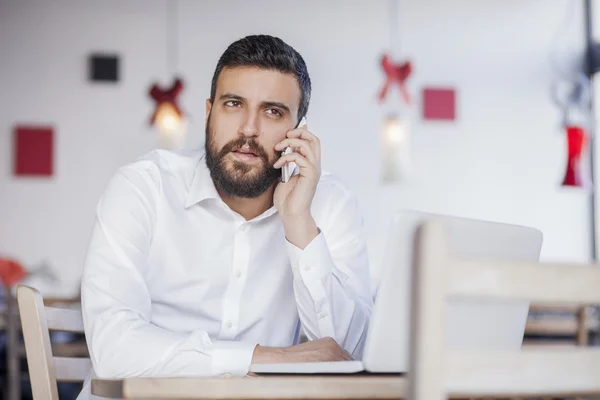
column 202, row 263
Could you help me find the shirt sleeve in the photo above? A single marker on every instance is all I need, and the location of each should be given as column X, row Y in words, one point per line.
column 116, row 303
column 332, row 280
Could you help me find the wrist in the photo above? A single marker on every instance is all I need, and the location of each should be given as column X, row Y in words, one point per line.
column 267, row 355
column 296, row 218
column 300, row 230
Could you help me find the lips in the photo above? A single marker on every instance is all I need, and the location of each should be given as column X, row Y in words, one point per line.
column 245, row 150
column 248, row 152
column 245, row 153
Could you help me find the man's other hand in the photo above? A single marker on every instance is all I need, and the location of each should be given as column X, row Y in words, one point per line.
column 319, row 350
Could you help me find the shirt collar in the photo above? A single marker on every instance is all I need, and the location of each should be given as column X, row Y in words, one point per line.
column 201, row 186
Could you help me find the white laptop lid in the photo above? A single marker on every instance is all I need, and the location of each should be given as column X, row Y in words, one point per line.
column 470, row 323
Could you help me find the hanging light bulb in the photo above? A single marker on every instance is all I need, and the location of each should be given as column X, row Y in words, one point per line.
column 395, row 133
column 171, row 126
column 395, row 139
column 168, row 117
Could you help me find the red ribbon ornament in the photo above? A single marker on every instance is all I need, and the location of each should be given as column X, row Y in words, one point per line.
column 576, row 141
column 169, row 95
column 395, row 74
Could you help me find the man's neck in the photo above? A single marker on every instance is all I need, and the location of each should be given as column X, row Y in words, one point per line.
column 249, row 208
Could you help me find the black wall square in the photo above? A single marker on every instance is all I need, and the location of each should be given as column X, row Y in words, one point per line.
column 104, row 68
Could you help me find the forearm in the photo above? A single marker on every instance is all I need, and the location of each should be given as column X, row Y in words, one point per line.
column 330, row 308
column 124, row 345
column 333, row 296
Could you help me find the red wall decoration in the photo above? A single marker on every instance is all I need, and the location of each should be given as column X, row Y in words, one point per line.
column 395, row 73
column 576, row 142
column 439, row 104
column 33, row 151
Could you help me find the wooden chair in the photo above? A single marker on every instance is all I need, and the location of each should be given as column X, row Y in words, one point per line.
column 37, row 321
column 436, row 372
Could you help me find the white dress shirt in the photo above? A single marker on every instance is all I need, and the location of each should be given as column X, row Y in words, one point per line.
column 175, row 283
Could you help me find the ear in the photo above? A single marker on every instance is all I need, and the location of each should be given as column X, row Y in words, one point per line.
column 208, row 108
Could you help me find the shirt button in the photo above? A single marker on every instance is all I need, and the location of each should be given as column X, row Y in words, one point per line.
column 307, row 267
column 322, row 315
column 227, row 375
column 238, row 273
column 244, row 228
column 229, row 324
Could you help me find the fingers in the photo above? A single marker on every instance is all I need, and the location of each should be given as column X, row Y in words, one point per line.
column 298, row 158
column 340, row 353
column 346, row 355
column 304, row 134
column 301, row 146
column 306, row 169
column 307, row 152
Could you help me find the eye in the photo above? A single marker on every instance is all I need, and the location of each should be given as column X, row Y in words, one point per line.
column 275, row 112
column 232, row 103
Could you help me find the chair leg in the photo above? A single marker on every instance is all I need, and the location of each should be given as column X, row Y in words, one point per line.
column 582, row 325
column 12, row 348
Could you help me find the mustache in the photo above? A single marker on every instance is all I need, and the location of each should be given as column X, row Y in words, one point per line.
column 239, row 143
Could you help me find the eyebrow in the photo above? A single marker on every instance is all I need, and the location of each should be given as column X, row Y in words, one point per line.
column 278, row 104
column 231, row 96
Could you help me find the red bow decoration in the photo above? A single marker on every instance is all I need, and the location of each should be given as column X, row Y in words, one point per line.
column 11, row 272
column 395, row 73
column 166, row 96
column 576, row 140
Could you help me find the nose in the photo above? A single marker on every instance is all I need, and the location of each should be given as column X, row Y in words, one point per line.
column 249, row 127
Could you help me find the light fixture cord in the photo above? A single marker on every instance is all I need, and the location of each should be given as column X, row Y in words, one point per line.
column 394, row 29
column 172, row 33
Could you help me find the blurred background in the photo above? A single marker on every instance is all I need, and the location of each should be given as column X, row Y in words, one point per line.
column 491, row 87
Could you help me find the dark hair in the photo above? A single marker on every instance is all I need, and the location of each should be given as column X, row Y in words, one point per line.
column 267, row 52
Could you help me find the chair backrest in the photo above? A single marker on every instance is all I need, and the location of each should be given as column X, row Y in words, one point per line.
column 37, row 321
column 437, row 372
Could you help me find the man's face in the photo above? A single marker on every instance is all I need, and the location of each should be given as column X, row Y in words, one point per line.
column 252, row 112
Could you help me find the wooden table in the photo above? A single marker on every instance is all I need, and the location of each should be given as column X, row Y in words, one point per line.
column 262, row 387
column 277, row 387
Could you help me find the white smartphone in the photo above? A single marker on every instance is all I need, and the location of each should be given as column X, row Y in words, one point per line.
column 289, row 169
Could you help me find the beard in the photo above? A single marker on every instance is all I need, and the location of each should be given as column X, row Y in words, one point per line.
column 239, row 179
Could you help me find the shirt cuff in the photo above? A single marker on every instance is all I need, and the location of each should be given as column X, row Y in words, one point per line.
column 314, row 262
column 232, row 358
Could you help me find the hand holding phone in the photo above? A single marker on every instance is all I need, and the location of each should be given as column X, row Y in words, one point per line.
column 288, row 169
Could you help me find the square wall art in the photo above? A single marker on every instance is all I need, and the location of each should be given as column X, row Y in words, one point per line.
column 439, row 104
column 33, row 151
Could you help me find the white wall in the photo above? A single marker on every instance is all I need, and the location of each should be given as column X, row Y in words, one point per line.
column 503, row 158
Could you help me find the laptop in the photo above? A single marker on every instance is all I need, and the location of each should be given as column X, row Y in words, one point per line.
column 470, row 323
